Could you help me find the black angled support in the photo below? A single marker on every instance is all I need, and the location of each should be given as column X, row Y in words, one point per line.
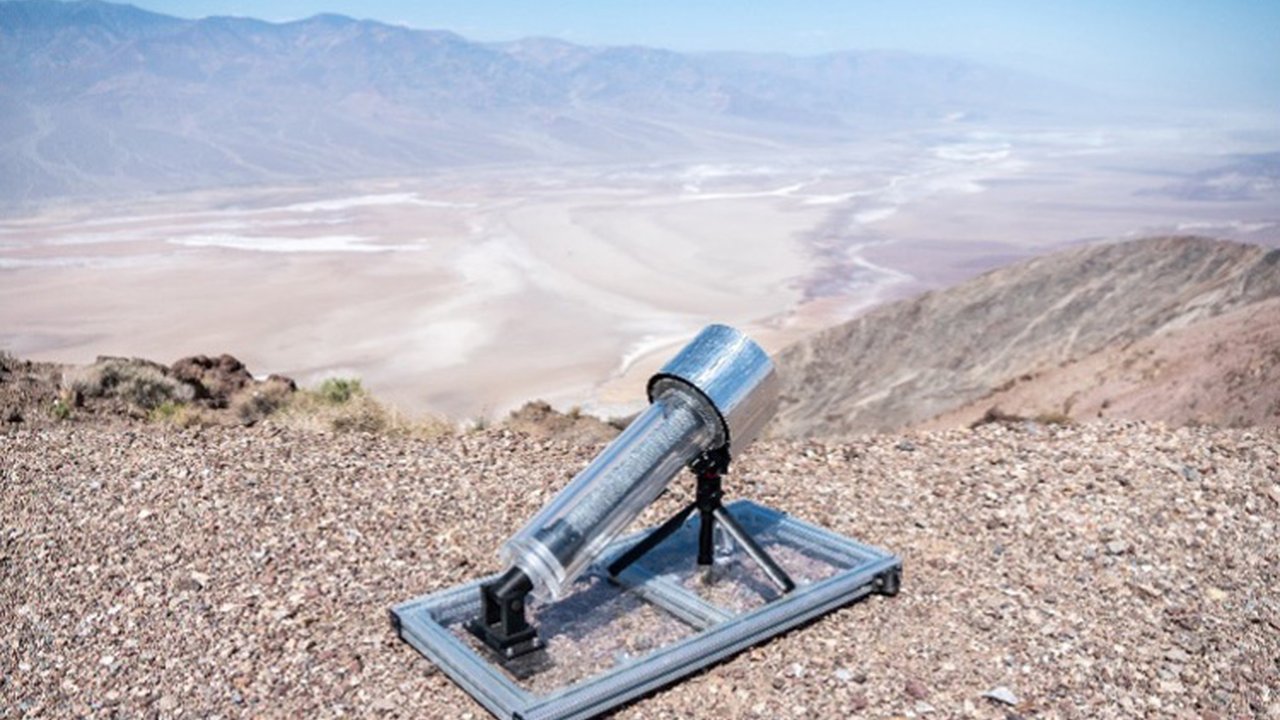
column 708, row 502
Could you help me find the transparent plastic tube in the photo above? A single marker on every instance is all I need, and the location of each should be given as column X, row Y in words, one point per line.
column 565, row 536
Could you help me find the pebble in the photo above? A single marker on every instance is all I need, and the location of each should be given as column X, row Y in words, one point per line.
column 1117, row 547
column 1001, row 694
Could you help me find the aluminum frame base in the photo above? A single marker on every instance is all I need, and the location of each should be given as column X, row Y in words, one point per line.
column 429, row 623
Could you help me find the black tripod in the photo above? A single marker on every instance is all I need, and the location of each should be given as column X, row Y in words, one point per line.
column 708, row 468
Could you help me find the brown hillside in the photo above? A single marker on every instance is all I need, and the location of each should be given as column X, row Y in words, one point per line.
column 1220, row 371
column 913, row 360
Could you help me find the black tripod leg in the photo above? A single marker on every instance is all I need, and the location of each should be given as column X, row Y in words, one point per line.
column 638, row 550
column 706, row 537
column 757, row 553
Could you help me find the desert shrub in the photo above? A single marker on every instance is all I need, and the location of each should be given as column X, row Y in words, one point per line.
column 145, row 385
column 60, row 410
column 343, row 405
column 184, row 415
column 337, row 391
column 316, row 410
column 165, row 411
column 363, row 415
column 1054, row 418
column 254, row 404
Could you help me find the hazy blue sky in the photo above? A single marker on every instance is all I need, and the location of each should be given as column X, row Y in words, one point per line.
column 1226, row 49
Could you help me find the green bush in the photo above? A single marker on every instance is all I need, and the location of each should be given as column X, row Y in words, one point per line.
column 338, row 391
column 165, row 411
column 60, row 410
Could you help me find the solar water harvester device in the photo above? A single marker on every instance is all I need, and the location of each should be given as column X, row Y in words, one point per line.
column 582, row 620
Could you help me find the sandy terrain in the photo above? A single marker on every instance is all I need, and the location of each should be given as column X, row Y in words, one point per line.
column 1116, row 570
column 467, row 294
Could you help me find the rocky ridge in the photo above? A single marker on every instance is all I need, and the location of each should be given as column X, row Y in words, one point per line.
column 1222, row 371
column 910, row 361
column 115, row 388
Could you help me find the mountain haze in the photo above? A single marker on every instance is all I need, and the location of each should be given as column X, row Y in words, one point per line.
column 904, row 363
column 105, row 98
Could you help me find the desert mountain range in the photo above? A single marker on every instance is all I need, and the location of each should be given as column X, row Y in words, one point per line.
column 100, row 98
column 1180, row 329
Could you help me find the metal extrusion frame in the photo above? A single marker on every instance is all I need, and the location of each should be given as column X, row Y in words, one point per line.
column 423, row 622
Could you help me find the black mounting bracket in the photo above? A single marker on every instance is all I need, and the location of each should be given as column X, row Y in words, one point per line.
column 502, row 624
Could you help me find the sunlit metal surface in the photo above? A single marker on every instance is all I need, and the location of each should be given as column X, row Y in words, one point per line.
column 734, row 374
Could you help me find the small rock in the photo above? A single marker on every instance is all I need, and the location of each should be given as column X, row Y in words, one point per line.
column 1190, row 473
column 906, row 446
column 106, row 660
column 916, row 690
column 1117, row 547
column 1001, row 694
column 167, row 703
column 843, row 675
column 200, row 579
column 1216, row 594
column 859, row 702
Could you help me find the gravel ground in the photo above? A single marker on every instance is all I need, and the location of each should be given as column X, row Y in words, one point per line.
column 1118, row 570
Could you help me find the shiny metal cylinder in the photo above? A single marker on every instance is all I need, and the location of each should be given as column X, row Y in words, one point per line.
column 734, row 374
column 718, row 391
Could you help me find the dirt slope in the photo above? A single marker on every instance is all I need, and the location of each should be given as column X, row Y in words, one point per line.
column 1222, row 371
column 913, row 360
